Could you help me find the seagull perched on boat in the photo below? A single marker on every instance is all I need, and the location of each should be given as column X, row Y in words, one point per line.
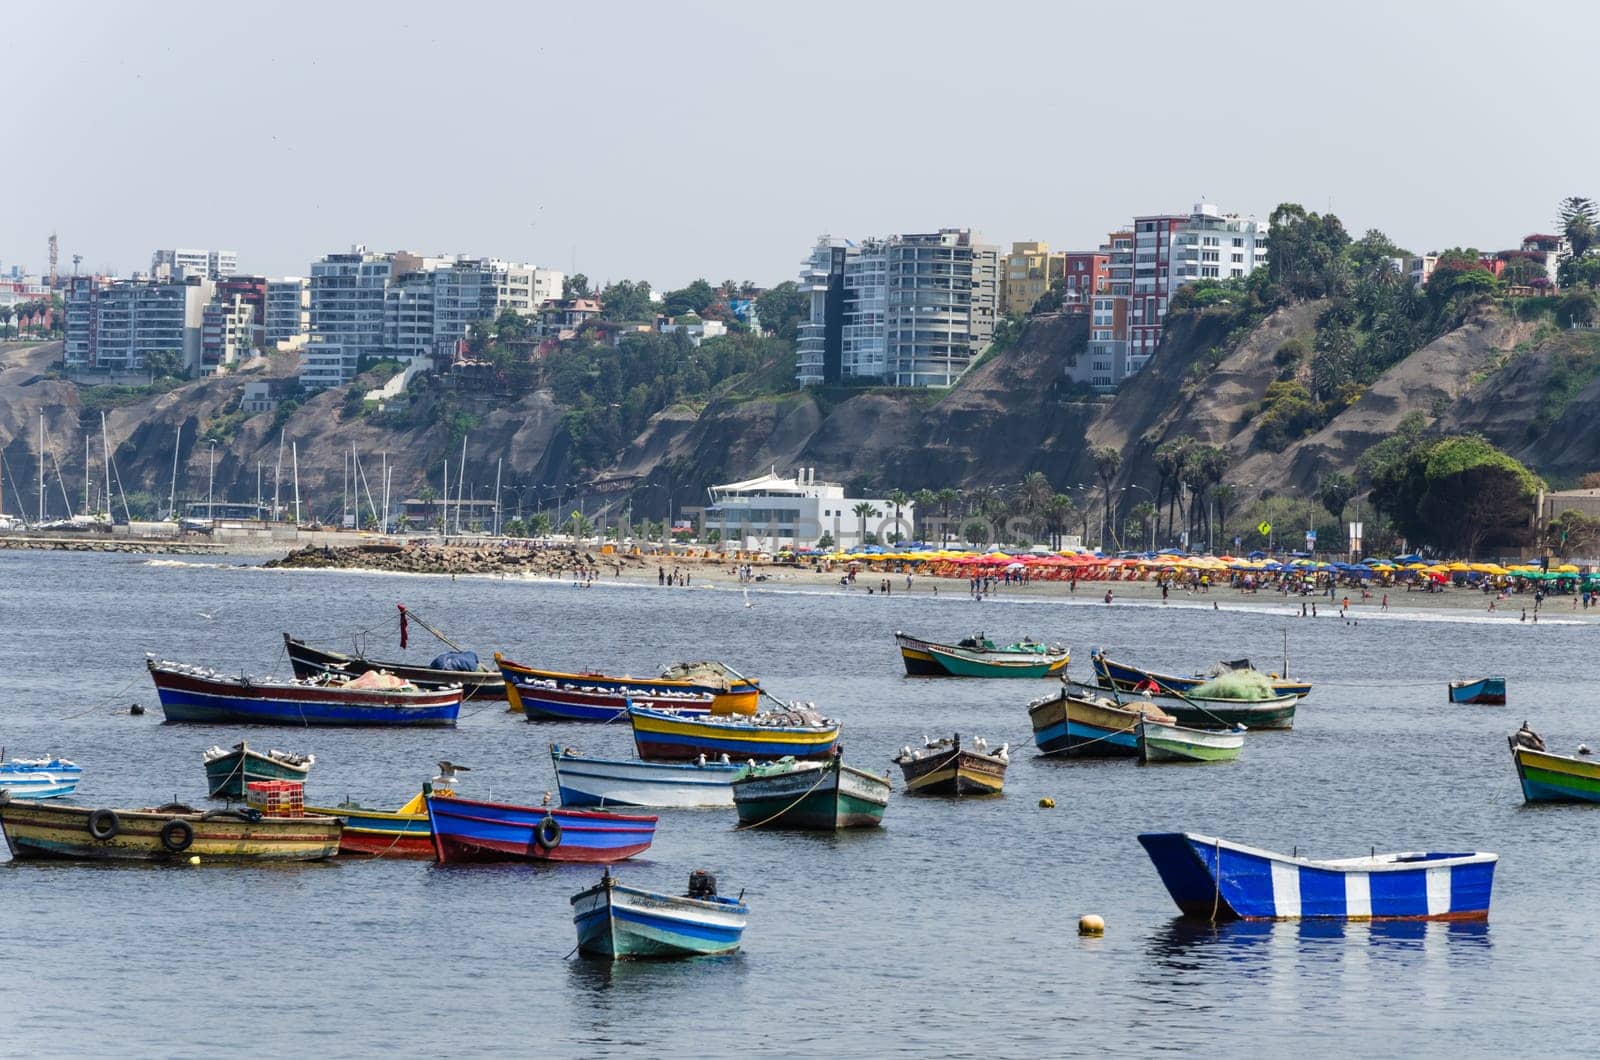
column 446, row 768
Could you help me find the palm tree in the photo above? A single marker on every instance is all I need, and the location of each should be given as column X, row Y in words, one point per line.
column 899, row 498
column 1107, row 462
column 5, row 319
column 947, row 500
column 1139, row 520
column 865, row 511
column 1036, row 494
column 924, row 500
column 1058, row 512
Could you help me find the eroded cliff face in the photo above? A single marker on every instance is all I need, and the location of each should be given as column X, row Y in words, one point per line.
column 1530, row 389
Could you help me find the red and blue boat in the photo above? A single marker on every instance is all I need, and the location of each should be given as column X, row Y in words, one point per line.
column 553, row 699
column 799, row 732
column 466, row 830
column 1219, row 880
column 679, row 686
column 196, row 694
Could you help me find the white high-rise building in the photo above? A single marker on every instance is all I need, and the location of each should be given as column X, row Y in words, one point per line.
column 347, row 294
column 1172, row 250
column 287, row 313
column 116, row 326
column 181, row 263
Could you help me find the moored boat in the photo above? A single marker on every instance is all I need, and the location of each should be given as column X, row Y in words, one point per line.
column 196, row 694
column 1127, row 678
column 165, row 833
column 1078, row 723
column 1211, row 712
column 228, row 771
column 39, row 778
column 401, row 833
column 541, row 699
column 798, row 732
column 1219, row 880
column 978, row 656
column 623, row 923
column 820, row 796
column 445, row 671
column 945, row 767
column 1489, row 691
column 465, row 830
column 1549, row 777
column 601, row 782
column 730, row 693
column 1179, row 743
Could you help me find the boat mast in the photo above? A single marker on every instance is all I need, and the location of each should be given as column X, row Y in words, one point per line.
column 497, row 465
column 105, row 446
column 461, row 481
column 345, row 511
column 172, row 499
column 41, row 467
column 86, row 508
column 294, row 454
column 277, row 480
column 444, row 520
column 62, row 482
column 383, row 521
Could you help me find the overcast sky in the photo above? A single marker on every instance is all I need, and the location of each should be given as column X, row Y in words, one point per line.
column 666, row 141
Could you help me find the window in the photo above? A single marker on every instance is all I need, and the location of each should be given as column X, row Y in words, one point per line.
column 1238, row 242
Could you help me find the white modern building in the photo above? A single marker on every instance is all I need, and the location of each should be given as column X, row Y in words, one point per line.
column 1172, row 250
column 115, row 326
column 693, row 328
column 771, row 512
column 228, row 333
column 179, row 264
column 287, row 313
column 347, row 294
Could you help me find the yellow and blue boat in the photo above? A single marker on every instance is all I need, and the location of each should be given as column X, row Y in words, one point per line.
column 978, row 656
column 798, row 732
column 36, row 830
column 1547, row 777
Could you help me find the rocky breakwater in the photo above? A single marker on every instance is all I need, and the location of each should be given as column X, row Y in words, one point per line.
column 510, row 558
column 109, row 544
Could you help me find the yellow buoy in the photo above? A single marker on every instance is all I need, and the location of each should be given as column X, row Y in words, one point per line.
column 1047, row 804
column 194, row 859
column 1091, row 924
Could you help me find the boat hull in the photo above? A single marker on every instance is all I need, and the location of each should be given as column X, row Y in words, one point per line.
column 624, row 923
column 840, row 796
column 600, row 782
column 742, row 697
column 309, row 661
column 666, row 737
column 540, row 703
column 45, row 831
column 1219, row 714
column 1548, row 777
column 227, row 776
column 1177, row 743
column 927, row 659
column 191, row 697
column 1219, row 880
column 1488, row 691
column 380, row 833
column 960, row 772
column 1125, row 678
column 40, row 779
column 1072, row 728
column 465, row 830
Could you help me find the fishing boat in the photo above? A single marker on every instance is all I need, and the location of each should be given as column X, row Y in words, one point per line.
column 402, row 833
column 542, row 699
column 165, row 833
column 584, row 781
column 978, row 656
column 197, row 694
column 619, row 923
column 446, row 670
column 799, row 732
column 1126, row 678
column 820, row 796
column 1489, row 691
column 1077, row 722
column 1219, row 880
column 39, row 778
column 731, row 693
column 465, row 830
column 1211, row 712
column 228, row 771
column 1179, row 743
column 1549, row 777
column 944, row 767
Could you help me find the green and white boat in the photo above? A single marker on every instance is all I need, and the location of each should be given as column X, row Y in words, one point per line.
column 1177, row 743
column 228, row 771
column 978, row 656
column 823, row 796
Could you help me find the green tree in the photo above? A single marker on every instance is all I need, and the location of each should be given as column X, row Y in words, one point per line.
column 1334, row 492
column 947, row 500
column 576, row 286
column 695, row 298
column 1578, row 218
column 627, row 300
column 826, row 540
column 864, row 511
column 1477, row 495
column 1059, row 512
column 1140, row 518
column 783, row 308
column 899, row 498
column 1107, row 462
column 1572, row 534
column 975, row 532
column 924, row 500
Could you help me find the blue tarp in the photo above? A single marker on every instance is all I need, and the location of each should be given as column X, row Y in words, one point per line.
column 456, row 660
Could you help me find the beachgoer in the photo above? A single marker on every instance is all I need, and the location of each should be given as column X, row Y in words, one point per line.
column 1108, row 596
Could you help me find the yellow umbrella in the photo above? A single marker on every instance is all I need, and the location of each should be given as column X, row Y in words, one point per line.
column 1567, row 568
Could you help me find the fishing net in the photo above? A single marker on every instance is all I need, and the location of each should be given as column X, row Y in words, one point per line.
column 1236, row 684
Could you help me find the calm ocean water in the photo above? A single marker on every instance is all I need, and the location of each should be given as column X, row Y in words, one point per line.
column 951, row 931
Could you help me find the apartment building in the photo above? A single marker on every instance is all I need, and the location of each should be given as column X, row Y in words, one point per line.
column 115, row 325
column 287, row 312
column 1030, row 270
column 228, row 331
column 909, row 310
column 179, row 264
column 1084, row 274
column 1173, row 250
column 346, row 308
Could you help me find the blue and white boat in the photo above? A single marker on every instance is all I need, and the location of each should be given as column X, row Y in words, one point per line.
column 605, row 782
column 1486, row 690
column 197, row 694
column 621, row 923
column 1218, row 880
column 48, row 778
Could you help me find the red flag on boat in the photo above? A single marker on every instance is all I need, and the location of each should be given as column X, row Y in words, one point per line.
column 402, row 608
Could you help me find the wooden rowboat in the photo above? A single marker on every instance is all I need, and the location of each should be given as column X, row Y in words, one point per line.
column 731, row 693
column 1126, row 678
column 1210, row 713
column 820, row 796
column 1219, row 880
column 1549, row 777
column 196, row 694
column 944, row 767
column 622, row 923
column 39, row 778
column 465, row 830
column 227, row 772
column 1178, row 743
column 977, row 656
column 668, row 737
column 1489, row 691
column 1077, row 723
column 547, row 699
column 166, row 833
column 602, row 782
column 309, row 661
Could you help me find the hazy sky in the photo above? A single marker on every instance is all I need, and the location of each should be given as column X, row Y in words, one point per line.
column 666, row 141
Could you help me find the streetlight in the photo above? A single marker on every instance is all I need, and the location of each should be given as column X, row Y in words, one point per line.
column 211, row 478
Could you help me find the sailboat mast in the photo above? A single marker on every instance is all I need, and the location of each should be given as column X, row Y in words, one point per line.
column 277, row 479
column 105, row 446
column 344, row 519
column 461, row 480
column 444, row 522
column 86, row 508
column 294, row 453
column 41, row 467
column 384, row 520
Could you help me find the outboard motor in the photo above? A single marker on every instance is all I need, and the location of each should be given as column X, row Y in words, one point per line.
column 702, row 884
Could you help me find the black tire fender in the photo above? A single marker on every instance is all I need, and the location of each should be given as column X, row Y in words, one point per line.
column 177, row 835
column 548, row 834
column 104, row 824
